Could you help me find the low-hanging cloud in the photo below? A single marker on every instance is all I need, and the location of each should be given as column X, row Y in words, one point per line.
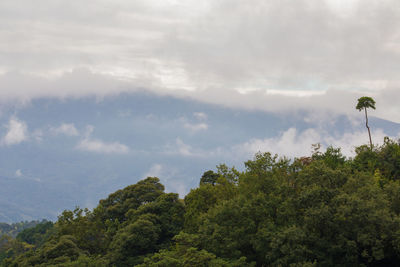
column 17, row 132
column 295, row 143
column 77, row 84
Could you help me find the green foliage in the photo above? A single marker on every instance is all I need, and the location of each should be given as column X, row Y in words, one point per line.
column 365, row 102
column 36, row 235
column 332, row 157
column 149, row 228
column 135, row 240
column 201, row 199
column 323, row 210
column 385, row 158
column 121, row 231
column 132, row 197
column 186, row 254
column 168, row 211
column 15, row 228
column 209, row 177
column 87, row 228
column 10, row 248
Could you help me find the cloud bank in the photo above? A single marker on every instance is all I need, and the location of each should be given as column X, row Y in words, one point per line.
column 274, row 55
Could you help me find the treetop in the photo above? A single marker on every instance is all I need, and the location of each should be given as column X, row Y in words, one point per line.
column 365, row 102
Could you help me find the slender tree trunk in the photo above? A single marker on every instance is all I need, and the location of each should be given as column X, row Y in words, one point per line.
column 366, row 125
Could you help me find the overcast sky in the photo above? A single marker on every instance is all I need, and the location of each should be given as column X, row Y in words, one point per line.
column 271, row 55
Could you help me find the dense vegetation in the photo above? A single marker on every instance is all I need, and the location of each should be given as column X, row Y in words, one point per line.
column 14, row 229
column 323, row 210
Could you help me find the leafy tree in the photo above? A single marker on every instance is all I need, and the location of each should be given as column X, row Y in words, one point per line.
column 168, row 211
column 87, row 229
column 15, row 228
column 10, row 247
column 186, row 254
column 385, row 159
column 132, row 197
column 201, row 199
column 134, row 241
column 362, row 104
column 36, row 235
column 389, row 159
column 209, row 177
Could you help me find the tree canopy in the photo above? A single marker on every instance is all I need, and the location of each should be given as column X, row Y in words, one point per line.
column 365, row 102
column 322, row 210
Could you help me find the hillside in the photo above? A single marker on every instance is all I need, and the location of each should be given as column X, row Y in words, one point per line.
column 323, row 210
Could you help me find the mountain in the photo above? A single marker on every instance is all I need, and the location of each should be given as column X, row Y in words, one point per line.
column 62, row 153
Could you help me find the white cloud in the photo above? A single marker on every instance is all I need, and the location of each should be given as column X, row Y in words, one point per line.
column 293, row 143
column 17, row 132
column 88, row 131
column 167, row 176
column 289, row 143
column 37, row 134
column 99, row 146
column 154, row 171
column 200, row 115
column 18, row 173
column 66, row 129
column 195, row 126
column 180, row 148
column 294, row 93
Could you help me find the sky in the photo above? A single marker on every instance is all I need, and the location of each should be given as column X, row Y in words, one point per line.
column 99, row 90
column 268, row 55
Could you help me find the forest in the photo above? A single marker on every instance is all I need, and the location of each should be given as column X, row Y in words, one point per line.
column 321, row 210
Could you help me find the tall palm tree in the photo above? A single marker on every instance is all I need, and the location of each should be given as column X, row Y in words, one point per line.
column 364, row 103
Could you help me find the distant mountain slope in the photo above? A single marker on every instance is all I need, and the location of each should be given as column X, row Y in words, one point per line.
column 73, row 152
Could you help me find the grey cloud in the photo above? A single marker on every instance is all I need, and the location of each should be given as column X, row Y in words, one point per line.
column 291, row 44
column 208, row 51
column 60, row 35
column 76, row 83
column 21, row 88
column 284, row 44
